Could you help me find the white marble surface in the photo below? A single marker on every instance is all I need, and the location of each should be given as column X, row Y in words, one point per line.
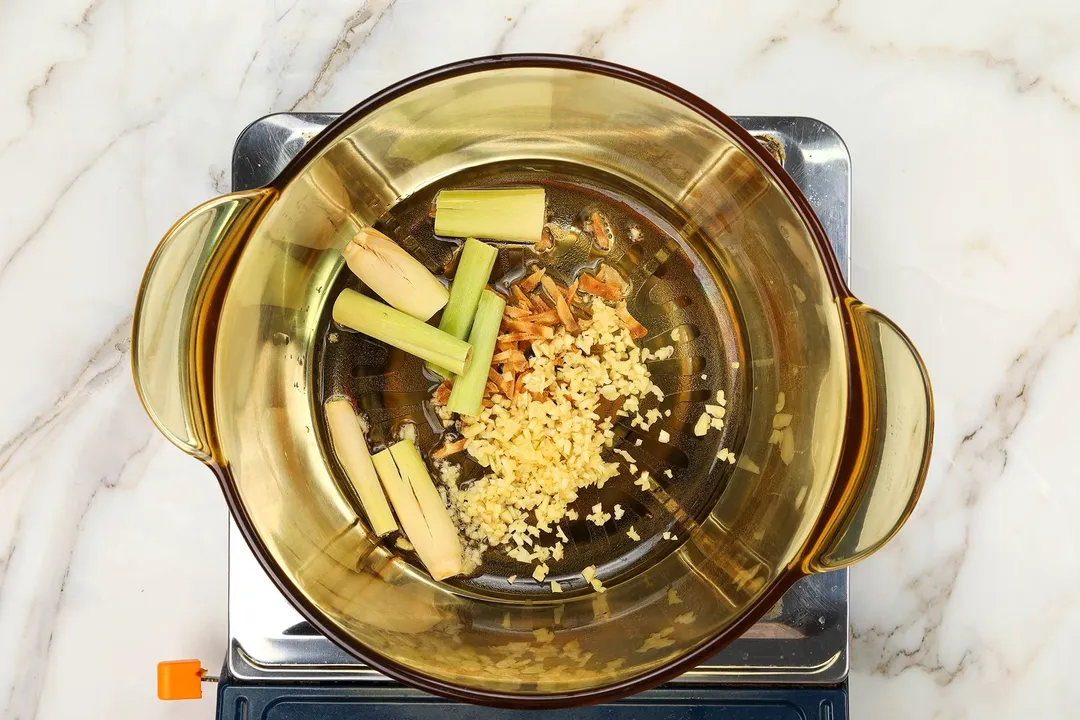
column 963, row 120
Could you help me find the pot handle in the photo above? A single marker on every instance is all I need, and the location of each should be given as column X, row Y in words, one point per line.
column 888, row 458
column 177, row 306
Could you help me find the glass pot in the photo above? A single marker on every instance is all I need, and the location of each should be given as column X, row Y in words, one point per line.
column 231, row 317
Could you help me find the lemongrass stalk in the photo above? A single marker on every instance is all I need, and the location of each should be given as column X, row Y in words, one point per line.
column 413, row 469
column 395, row 275
column 405, row 332
column 351, row 449
column 513, row 214
column 468, row 392
column 473, row 272
column 424, row 519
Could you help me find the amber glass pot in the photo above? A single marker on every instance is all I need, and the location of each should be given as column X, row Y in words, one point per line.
column 228, row 333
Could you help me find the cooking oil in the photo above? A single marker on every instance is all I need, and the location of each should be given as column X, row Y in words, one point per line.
column 682, row 302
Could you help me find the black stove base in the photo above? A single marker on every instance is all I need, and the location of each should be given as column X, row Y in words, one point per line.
column 337, row 701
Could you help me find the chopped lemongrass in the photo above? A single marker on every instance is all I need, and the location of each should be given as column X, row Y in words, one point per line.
column 395, row 275
column 351, row 449
column 513, row 214
column 474, row 269
column 467, row 396
column 424, row 518
column 403, row 331
column 412, row 468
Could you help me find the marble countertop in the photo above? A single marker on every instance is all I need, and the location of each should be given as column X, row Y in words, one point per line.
column 962, row 119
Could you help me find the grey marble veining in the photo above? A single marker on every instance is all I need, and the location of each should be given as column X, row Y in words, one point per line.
column 961, row 119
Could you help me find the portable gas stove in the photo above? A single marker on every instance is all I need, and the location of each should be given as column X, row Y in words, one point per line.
column 794, row 663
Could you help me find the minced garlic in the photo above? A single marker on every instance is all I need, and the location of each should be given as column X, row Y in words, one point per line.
column 545, row 445
column 589, row 574
column 664, row 353
column 598, row 516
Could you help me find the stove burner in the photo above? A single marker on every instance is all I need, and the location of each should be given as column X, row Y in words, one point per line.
column 803, row 640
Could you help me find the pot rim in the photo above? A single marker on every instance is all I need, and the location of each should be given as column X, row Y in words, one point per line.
column 753, row 612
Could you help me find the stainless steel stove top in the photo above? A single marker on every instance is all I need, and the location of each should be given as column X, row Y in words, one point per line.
column 803, row 640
